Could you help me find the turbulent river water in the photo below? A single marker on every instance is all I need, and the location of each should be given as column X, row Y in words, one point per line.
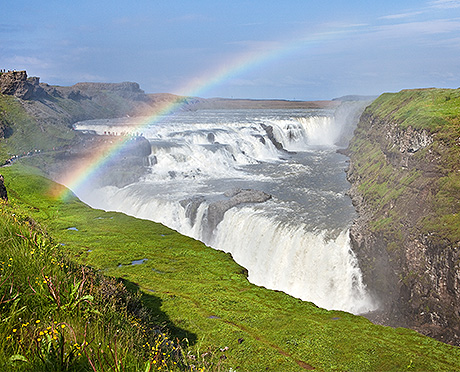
column 297, row 240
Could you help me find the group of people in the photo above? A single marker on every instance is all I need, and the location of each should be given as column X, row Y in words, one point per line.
column 137, row 134
column 14, row 157
column 3, row 70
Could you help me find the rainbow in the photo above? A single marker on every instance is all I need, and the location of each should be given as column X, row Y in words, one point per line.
column 86, row 170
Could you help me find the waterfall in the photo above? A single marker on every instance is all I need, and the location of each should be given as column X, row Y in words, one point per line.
column 305, row 264
column 296, row 242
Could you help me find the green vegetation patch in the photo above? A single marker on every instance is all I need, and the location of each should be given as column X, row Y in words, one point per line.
column 201, row 295
column 428, row 109
column 25, row 134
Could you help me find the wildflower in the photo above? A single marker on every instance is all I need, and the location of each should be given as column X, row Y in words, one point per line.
column 14, row 330
column 37, row 321
column 62, row 325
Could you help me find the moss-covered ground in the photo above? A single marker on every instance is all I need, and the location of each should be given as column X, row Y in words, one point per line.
column 202, row 295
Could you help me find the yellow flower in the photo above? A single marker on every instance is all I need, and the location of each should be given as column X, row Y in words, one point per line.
column 62, row 325
column 14, row 330
column 37, row 321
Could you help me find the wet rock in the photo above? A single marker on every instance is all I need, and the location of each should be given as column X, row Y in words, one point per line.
column 211, row 137
column 269, row 130
column 191, row 207
column 216, row 210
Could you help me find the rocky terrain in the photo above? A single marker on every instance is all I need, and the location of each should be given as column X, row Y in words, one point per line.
column 405, row 179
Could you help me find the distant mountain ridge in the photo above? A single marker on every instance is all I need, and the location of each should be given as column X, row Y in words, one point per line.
column 18, row 84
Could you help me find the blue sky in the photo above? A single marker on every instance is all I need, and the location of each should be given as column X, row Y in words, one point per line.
column 288, row 49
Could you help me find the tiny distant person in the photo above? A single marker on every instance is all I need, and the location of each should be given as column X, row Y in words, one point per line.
column 3, row 192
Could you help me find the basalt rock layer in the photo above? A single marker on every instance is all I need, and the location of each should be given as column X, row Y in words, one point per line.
column 405, row 175
column 16, row 83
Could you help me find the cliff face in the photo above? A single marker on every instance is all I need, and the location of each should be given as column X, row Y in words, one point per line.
column 405, row 175
column 16, row 83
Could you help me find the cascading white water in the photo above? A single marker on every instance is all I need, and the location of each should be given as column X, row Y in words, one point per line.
column 296, row 242
column 296, row 135
column 289, row 258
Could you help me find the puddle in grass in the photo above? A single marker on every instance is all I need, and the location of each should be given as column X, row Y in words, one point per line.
column 135, row 262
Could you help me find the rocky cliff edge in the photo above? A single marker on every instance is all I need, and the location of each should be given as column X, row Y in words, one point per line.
column 405, row 175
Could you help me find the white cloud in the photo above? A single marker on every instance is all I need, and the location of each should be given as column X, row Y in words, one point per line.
column 445, row 4
column 420, row 28
column 429, row 7
column 402, row 15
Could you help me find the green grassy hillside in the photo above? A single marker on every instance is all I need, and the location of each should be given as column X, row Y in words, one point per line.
column 197, row 293
column 24, row 133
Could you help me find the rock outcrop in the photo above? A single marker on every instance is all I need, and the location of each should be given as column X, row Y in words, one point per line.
column 216, row 209
column 17, row 84
column 405, row 177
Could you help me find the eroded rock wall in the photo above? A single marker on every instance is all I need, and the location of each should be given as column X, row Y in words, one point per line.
column 405, row 188
column 17, row 84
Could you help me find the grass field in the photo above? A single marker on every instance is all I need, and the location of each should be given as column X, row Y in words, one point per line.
column 198, row 296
